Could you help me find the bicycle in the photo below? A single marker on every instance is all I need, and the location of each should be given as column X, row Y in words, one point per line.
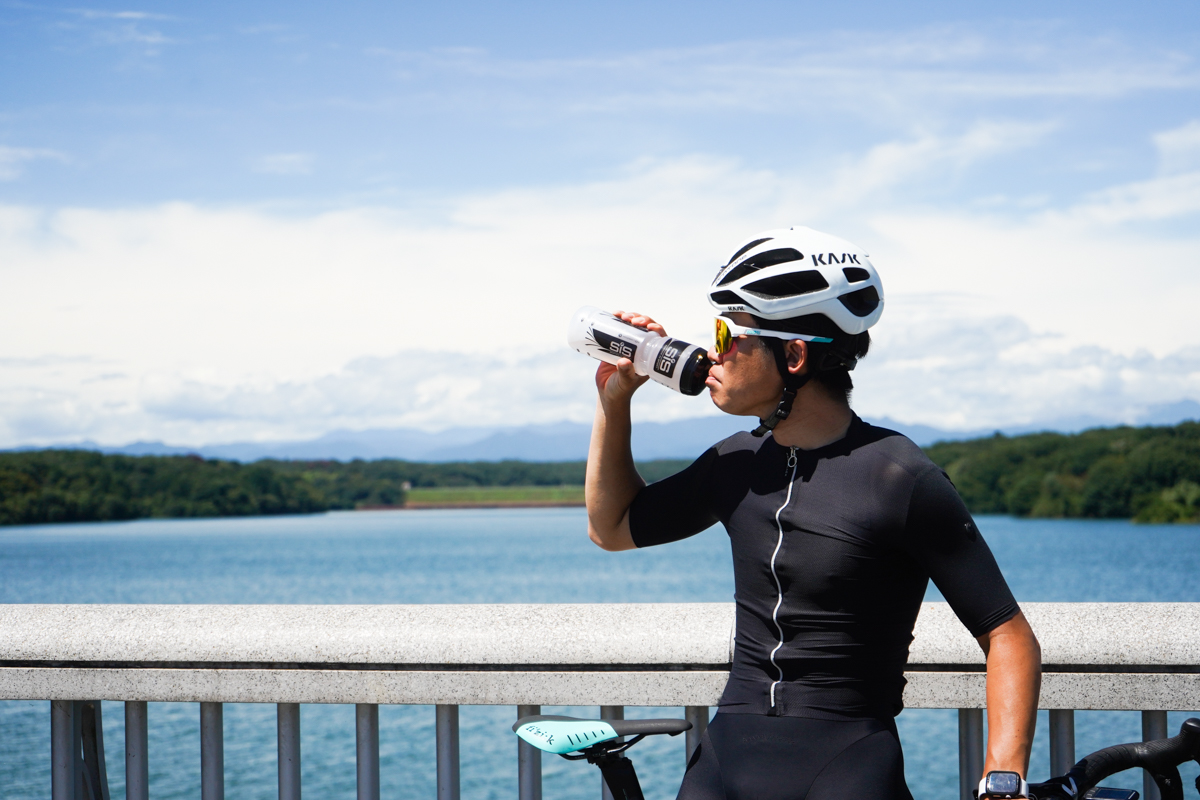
column 600, row 743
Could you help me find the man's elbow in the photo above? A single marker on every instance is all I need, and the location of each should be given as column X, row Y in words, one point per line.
column 611, row 540
column 1015, row 639
column 599, row 540
column 1029, row 640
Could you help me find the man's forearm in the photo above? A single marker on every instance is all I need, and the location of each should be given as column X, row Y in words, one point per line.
column 612, row 481
column 1014, row 680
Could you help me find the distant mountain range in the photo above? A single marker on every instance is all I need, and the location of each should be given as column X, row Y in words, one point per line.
column 568, row 441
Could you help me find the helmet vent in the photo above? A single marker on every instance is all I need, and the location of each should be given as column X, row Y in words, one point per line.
column 741, row 252
column 768, row 259
column 790, row 285
column 855, row 274
column 729, row 299
column 862, row 302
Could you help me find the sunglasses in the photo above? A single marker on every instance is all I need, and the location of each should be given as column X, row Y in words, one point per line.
column 727, row 330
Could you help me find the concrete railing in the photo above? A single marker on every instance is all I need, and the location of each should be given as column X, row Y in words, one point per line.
column 1130, row 656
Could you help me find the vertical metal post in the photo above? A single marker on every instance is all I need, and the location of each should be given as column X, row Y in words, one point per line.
column 288, row 716
column 698, row 716
column 1154, row 726
column 970, row 751
column 137, row 767
column 366, row 727
column 62, row 746
column 81, row 784
column 447, row 753
column 529, row 762
column 212, row 751
column 610, row 712
column 1062, row 741
column 95, row 769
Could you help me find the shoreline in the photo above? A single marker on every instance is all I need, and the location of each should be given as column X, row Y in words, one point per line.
column 423, row 505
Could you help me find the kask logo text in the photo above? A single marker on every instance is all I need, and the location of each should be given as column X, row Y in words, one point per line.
column 819, row 258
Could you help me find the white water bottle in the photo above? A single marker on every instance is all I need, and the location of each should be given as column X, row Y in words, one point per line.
column 672, row 362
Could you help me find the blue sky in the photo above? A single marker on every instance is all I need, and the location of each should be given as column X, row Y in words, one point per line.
column 229, row 221
column 311, row 106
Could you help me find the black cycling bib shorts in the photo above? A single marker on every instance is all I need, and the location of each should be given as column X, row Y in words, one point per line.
column 832, row 551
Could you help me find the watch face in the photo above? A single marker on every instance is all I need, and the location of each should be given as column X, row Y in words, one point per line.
column 1003, row 783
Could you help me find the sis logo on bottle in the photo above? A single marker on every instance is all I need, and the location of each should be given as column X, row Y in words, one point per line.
column 668, row 357
column 619, row 347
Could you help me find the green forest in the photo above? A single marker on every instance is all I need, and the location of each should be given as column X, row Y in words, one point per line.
column 1148, row 474
column 83, row 486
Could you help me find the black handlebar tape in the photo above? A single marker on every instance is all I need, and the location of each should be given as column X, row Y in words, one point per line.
column 1159, row 758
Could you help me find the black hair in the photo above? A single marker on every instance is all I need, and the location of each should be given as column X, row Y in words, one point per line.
column 829, row 362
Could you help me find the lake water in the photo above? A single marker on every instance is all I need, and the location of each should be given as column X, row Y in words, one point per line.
column 491, row 556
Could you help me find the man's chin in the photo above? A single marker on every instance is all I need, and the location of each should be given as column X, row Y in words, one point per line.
column 723, row 402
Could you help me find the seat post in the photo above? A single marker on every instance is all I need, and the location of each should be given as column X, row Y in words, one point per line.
column 610, row 713
column 620, row 777
column 529, row 762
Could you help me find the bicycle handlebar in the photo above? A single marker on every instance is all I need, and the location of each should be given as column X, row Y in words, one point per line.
column 1160, row 758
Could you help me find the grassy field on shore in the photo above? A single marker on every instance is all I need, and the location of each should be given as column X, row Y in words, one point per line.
column 452, row 496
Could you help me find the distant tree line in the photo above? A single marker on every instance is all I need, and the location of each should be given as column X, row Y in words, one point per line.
column 1151, row 474
column 84, row 486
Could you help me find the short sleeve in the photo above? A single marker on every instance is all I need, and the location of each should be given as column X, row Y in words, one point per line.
column 941, row 536
column 675, row 507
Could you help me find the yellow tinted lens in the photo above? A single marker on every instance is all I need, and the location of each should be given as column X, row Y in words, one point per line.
column 723, row 338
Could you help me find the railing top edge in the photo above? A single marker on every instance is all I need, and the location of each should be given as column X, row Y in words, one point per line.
column 1069, row 608
column 1144, row 634
column 1111, row 634
column 431, row 634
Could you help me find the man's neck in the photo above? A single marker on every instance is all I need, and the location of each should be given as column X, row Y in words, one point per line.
column 816, row 420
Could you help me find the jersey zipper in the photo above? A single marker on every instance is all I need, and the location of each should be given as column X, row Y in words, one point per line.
column 791, row 462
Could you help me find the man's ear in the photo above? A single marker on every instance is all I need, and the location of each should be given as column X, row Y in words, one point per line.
column 797, row 356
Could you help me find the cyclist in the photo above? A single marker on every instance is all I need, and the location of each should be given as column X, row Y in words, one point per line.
column 836, row 527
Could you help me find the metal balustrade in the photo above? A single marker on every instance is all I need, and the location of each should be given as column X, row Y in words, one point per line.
column 1132, row 656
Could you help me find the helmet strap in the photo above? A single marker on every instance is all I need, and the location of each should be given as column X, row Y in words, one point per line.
column 792, row 383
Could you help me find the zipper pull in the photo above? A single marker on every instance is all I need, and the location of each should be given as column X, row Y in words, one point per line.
column 791, row 462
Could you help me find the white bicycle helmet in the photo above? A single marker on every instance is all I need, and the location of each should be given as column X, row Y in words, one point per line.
column 790, row 272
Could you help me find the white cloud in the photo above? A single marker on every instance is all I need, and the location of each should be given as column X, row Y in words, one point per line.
column 1179, row 148
column 940, row 367
column 206, row 324
column 874, row 75
column 932, row 367
column 1160, row 198
column 133, row 34
column 891, row 163
column 1074, row 274
column 93, row 13
column 421, row 388
column 124, row 29
column 285, row 164
column 13, row 159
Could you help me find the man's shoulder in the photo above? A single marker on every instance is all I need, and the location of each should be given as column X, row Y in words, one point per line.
column 742, row 441
column 894, row 446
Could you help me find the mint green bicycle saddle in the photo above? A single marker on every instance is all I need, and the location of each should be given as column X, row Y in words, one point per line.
column 555, row 734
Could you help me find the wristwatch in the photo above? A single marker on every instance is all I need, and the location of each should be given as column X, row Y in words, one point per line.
column 1003, row 784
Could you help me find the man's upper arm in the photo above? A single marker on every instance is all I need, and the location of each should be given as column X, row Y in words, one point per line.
column 675, row 507
column 943, row 538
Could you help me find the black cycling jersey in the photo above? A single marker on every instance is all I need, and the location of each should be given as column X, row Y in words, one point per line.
column 832, row 551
